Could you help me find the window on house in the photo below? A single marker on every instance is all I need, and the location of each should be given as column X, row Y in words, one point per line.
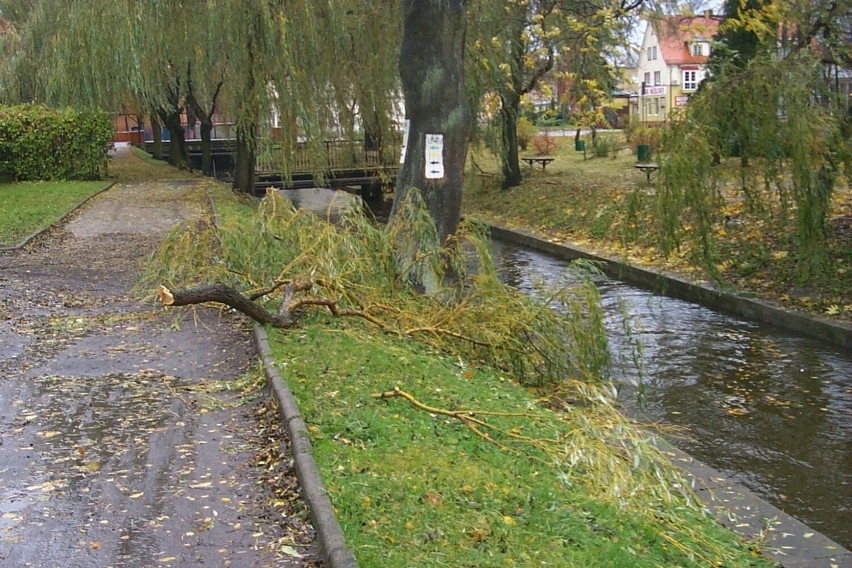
column 657, row 78
column 652, row 53
column 697, row 49
column 690, row 80
column 647, row 79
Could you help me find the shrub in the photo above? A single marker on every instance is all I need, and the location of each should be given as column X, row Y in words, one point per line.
column 601, row 146
column 46, row 144
column 526, row 131
column 639, row 133
column 545, row 144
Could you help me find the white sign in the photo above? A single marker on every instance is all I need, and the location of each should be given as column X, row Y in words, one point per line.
column 404, row 141
column 434, row 156
column 658, row 90
column 682, row 100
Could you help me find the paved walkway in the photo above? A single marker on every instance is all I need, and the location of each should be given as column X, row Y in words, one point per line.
column 114, row 451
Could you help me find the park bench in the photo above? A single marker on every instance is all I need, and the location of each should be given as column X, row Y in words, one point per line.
column 543, row 160
column 647, row 168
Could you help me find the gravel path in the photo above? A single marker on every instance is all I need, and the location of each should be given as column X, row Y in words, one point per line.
column 118, row 445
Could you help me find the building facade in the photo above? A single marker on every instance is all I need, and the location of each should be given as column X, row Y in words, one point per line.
column 672, row 63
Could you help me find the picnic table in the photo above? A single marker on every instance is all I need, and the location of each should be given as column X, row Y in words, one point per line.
column 648, row 168
column 543, row 160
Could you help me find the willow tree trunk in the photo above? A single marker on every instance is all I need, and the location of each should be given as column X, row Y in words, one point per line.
column 509, row 109
column 432, row 73
column 245, row 161
column 157, row 135
column 178, row 156
column 206, row 129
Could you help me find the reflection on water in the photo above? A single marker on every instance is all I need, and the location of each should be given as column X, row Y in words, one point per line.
column 769, row 408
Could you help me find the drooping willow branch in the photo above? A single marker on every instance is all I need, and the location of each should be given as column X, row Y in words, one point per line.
column 479, row 426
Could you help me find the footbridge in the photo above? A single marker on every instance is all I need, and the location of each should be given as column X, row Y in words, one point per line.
column 337, row 164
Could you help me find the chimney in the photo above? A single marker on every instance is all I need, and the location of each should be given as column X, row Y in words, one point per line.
column 708, row 14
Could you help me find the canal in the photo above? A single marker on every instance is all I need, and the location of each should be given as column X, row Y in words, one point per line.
column 771, row 409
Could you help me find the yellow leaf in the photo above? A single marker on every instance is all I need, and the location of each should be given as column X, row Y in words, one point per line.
column 509, row 520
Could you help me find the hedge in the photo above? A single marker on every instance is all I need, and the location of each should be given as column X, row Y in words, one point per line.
column 40, row 143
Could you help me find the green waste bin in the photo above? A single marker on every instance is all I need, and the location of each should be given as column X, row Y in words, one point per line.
column 643, row 152
column 580, row 145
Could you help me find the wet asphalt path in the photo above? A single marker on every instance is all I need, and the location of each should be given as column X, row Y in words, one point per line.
column 115, row 447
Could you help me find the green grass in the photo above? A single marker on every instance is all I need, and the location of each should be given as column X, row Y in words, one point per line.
column 26, row 207
column 139, row 166
column 412, row 488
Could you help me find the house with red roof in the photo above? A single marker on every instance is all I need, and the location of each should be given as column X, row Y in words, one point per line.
column 672, row 63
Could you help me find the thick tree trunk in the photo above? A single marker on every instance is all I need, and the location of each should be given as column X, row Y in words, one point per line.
column 245, row 161
column 205, row 119
column 178, row 155
column 511, row 161
column 206, row 129
column 432, row 74
column 157, row 135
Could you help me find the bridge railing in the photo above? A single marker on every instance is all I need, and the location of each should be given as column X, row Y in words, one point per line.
column 329, row 155
column 325, row 156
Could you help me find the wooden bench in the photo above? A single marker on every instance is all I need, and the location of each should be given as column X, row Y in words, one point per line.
column 648, row 168
column 543, row 160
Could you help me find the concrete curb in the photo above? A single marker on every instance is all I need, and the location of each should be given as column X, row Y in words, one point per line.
column 834, row 332
column 59, row 221
column 333, row 547
column 783, row 539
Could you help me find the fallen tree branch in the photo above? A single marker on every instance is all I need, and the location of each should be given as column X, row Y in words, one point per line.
column 222, row 294
column 479, row 426
column 288, row 313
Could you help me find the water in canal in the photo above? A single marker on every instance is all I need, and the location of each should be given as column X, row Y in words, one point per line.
column 771, row 409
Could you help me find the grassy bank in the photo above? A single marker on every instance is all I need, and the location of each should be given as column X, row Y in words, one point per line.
column 606, row 204
column 457, row 464
column 26, row 207
column 412, row 487
column 136, row 164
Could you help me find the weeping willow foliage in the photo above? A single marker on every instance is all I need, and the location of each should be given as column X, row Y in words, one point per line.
column 474, row 316
column 325, row 66
column 785, row 126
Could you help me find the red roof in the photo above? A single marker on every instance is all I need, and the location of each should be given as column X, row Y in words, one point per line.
column 675, row 33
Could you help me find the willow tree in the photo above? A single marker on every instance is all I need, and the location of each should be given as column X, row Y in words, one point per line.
column 781, row 109
column 308, row 61
column 516, row 44
column 144, row 61
column 431, row 68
